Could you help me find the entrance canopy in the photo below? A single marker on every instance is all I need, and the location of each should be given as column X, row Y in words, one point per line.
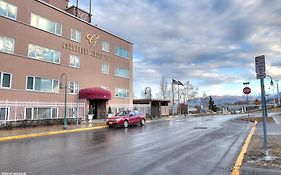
column 95, row 93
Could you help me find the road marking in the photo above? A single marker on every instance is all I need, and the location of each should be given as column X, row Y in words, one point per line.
column 25, row 136
column 238, row 163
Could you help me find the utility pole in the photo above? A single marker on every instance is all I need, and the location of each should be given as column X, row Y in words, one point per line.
column 278, row 96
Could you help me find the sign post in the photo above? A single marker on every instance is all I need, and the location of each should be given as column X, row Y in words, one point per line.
column 247, row 91
column 260, row 70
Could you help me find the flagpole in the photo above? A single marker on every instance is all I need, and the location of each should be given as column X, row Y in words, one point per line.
column 178, row 98
column 76, row 13
column 173, row 97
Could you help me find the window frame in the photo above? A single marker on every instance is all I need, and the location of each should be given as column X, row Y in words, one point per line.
column 52, row 51
column 7, row 113
column 32, row 111
column 75, row 60
column 7, row 12
column 127, row 95
column 1, row 80
column 42, row 107
column 73, row 111
column 121, row 49
column 49, row 20
column 33, row 85
column 75, row 87
column 118, row 75
column 102, row 68
column 75, row 32
column 5, row 38
column 105, row 46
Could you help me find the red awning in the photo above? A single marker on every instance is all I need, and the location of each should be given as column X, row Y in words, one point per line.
column 95, row 93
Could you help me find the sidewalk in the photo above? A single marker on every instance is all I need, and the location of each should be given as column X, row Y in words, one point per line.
column 253, row 162
column 277, row 118
column 44, row 129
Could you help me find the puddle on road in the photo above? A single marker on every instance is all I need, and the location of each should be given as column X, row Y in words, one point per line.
column 200, row 128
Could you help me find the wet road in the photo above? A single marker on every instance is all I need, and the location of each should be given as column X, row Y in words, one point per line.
column 207, row 145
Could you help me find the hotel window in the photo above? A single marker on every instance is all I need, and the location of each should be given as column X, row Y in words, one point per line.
column 121, row 52
column 4, row 113
column 72, row 112
column 121, row 72
column 73, row 87
column 8, row 10
column 75, row 35
column 7, row 44
column 105, row 68
column 41, row 113
column 5, row 80
column 74, row 61
column 42, row 84
column 105, row 46
column 42, row 53
column 122, row 93
column 45, row 24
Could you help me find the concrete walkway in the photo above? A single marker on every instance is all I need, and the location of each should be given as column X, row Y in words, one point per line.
column 43, row 129
column 277, row 118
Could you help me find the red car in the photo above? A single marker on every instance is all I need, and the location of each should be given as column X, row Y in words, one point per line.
column 126, row 118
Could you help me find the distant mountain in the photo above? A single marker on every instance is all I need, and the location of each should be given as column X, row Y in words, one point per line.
column 220, row 100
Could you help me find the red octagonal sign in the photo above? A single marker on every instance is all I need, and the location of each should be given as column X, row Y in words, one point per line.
column 247, row 90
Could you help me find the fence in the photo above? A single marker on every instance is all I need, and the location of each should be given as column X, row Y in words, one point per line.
column 143, row 108
column 120, row 107
column 16, row 111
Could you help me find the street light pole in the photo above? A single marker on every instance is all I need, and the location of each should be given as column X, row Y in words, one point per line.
column 145, row 91
column 278, row 97
column 65, row 97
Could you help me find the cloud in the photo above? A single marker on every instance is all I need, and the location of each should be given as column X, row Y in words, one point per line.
column 211, row 43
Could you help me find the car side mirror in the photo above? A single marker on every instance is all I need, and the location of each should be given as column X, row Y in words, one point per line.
column 131, row 115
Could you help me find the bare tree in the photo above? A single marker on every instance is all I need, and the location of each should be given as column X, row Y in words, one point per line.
column 189, row 91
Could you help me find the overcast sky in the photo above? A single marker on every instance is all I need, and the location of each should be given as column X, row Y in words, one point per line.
column 211, row 43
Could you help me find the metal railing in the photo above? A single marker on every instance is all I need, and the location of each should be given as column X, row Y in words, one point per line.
column 18, row 110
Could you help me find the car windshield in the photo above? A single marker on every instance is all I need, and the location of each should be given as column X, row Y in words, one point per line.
column 122, row 113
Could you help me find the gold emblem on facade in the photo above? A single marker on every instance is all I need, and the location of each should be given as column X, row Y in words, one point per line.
column 92, row 39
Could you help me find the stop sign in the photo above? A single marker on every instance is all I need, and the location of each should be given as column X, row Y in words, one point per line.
column 247, row 90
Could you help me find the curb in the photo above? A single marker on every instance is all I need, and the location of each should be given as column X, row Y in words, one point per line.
column 236, row 168
column 245, row 170
column 25, row 136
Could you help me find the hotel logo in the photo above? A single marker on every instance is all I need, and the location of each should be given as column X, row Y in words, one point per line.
column 92, row 39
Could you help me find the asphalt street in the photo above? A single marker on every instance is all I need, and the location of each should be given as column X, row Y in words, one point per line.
column 205, row 145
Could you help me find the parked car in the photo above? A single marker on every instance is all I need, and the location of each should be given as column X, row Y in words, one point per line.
column 126, row 118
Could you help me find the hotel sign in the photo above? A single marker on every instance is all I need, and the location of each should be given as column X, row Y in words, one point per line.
column 86, row 51
column 92, row 39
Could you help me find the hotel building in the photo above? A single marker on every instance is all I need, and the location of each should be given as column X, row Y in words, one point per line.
column 46, row 46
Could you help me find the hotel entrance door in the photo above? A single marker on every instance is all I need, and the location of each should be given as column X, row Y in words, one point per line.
column 99, row 108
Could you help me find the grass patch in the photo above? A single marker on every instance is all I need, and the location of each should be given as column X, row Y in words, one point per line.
column 258, row 119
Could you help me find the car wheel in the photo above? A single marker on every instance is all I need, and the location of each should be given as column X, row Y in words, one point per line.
column 126, row 124
column 110, row 126
column 142, row 122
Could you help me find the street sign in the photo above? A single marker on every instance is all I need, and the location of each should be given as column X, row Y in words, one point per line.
column 247, row 90
column 260, row 64
column 261, row 76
